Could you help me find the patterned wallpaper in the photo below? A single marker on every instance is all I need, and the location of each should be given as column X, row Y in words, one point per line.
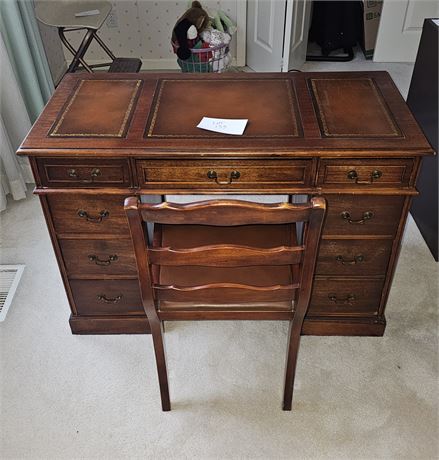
column 144, row 30
column 54, row 51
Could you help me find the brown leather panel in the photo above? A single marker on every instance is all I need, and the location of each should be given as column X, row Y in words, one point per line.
column 338, row 101
column 98, row 108
column 269, row 105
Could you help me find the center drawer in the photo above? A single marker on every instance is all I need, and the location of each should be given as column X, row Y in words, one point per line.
column 224, row 174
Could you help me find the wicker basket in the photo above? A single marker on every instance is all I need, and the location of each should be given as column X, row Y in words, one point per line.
column 212, row 59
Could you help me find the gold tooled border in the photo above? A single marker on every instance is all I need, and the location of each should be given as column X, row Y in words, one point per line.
column 123, row 126
column 291, row 99
column 395, row 132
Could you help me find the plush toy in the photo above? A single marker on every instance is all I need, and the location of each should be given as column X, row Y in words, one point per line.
column 191, row 24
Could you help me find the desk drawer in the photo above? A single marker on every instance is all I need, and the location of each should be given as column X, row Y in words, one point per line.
column 353, row 257
column 56, row 172
column 224, row 174
column 363, row 215
column 109, row 297
column 365, row 173
column 98, row 257
column 88, row 214
column 342, row 296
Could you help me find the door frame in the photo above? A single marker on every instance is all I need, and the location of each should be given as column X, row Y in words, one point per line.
column 241, row 34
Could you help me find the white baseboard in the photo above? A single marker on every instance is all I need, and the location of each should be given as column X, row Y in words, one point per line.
column 151, row 64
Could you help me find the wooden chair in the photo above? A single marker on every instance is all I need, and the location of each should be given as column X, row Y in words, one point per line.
column 225, row 260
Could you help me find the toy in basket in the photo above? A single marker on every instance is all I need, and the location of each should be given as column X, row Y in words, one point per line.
column 201, row 41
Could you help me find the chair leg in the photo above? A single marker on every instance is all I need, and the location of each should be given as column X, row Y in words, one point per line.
column 159, row 350
column 291, row 360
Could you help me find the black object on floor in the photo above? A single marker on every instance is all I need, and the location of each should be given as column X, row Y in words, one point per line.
column 423, row 102
column 132, row 65
column 336, row 25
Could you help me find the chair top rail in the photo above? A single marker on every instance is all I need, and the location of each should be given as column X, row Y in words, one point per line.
column 224, row 212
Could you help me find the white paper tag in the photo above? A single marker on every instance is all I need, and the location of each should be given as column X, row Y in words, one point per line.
column 223, row 125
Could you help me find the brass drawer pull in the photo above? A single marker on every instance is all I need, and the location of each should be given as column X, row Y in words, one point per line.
column 374, row 175
column 355, row 260
column 349, row 299
column 102, row 215
column 103, row 298
column 367, row 215
column 95, row 172
column 94, row 258
column 233, row 175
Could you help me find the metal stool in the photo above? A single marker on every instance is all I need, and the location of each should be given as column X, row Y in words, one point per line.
column 61, row 14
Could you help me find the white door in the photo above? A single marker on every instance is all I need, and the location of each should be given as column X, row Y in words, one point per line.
column 298, row 17
column 265, row 34
column 400, row 29
column 277, row 34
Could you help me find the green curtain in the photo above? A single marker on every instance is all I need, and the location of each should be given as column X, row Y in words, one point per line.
column 22, row 38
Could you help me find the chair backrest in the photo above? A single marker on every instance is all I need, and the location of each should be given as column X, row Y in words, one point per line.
column 228, row 213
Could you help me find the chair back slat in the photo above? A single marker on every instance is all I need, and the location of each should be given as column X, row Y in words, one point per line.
column 222, row 255
column 238, row 292
column 224, row 213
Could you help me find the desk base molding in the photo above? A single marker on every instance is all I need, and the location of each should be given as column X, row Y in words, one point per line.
column 139, row 325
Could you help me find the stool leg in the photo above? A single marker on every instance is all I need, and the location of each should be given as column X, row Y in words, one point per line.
column 291, row 360
column 104, row 47
column 68, row 45
column 159, row 350
column 83, row 47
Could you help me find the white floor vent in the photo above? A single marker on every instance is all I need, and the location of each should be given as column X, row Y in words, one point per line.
column 9, row 278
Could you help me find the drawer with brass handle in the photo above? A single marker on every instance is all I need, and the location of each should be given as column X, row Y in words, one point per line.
column 224, row 174
column 88, row 213
column 353, row 257
column 98, row 257
column 107, row 297
column 345, row 296
column 366, row 173
column 362, row 215
column 58, row 172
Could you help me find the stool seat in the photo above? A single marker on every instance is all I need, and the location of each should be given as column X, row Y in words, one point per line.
column 62, row 13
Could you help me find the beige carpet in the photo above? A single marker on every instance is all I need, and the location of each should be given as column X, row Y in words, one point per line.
column 96, row 397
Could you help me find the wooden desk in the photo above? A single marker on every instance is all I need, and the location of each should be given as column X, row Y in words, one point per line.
column 347, row 136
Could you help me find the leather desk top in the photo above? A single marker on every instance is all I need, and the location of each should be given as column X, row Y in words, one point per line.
column 297, row 113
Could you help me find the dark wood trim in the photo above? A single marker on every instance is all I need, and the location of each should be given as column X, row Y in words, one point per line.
column 316, row 327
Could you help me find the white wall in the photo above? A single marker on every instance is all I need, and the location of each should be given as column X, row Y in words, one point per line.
column 144, row 30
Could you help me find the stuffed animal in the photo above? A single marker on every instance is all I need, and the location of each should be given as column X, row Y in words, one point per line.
column 195, row 19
